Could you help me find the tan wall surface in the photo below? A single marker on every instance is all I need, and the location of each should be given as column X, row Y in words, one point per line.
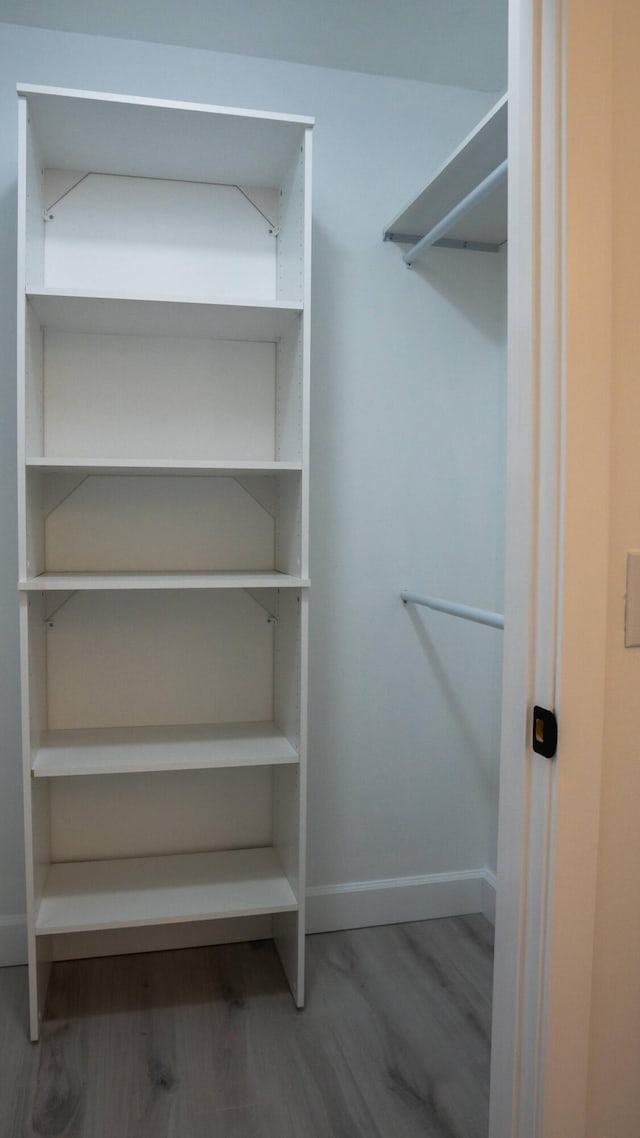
column 614, row 1073
column 587, row 351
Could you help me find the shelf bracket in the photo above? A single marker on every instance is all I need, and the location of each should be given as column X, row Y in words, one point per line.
column 274, row 229
column 46, row 213
column 262, row 489
column 470, row 246
column 48, row 620
column 445, row 242
column 68, row 480
column 271, row 609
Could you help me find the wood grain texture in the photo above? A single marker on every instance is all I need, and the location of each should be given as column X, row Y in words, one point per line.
column 207, row 1043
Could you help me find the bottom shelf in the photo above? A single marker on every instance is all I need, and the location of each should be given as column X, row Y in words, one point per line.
column 131, row 892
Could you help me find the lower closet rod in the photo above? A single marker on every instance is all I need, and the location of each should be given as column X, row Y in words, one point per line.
column 444, row 226
column 465, row 612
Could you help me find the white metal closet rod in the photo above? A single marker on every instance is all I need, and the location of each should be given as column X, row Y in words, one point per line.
column 445, row 224
column 465, row 612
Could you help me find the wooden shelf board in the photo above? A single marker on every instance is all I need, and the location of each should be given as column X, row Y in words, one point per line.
column 206, row 317
column 54, row 582
column 229, row 467
column 477, row 156
column 123, row 750
column 132, row 892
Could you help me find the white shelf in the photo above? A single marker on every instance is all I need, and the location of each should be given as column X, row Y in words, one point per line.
column 481, row 152
column 228, row 467
column 163, row 304
column 205, row 317
column 56, row 582
column 124, row 750
column 153, row 138
column 132, row 892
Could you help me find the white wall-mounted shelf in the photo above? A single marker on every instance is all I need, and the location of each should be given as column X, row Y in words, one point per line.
column 163, row 315
column 123, row 466
column 131, row 315
column 63, row 582
column 123, row 750
column 484, row 225
column 133, row 892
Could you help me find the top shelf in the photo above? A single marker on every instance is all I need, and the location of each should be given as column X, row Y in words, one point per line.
column 484, row 224
column 94, row 130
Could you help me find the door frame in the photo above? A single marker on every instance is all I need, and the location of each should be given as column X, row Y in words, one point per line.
column 559, row 364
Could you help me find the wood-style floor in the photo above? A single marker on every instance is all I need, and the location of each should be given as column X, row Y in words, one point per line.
column 206, row 1043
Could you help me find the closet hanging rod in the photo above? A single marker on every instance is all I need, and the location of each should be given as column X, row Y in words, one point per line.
column 445, row 224
column 465, row 612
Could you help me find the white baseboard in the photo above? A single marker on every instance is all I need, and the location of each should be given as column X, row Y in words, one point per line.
column 13, row 940
column 488, row 891
column 359, row 904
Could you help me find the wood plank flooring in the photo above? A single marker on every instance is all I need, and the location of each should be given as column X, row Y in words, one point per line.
column 207, row 1043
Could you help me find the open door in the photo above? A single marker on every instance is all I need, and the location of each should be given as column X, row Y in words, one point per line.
column 556, row 565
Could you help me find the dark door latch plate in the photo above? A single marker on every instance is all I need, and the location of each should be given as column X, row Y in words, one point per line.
column 545, row 732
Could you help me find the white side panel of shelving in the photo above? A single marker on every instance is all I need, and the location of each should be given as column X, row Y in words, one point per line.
column 115, row 523
column 140, row 815
column 289, row 395
column 36, row 664
column 34, row 377
column 21, row 334
column 288, row 655
column 36, row 798
column 32, row 662
column 33, row 197
column 290, row 786
column 34, row 529
column 291, row 689
column 287, row 823
column 305, row 379
column 32, row 432
column 291, row 218
column 289, row 530
column 154, row 236
column 145, row 658
column 129, row 396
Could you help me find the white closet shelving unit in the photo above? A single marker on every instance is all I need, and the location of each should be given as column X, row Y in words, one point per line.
column 163, row 377
column 481, row 222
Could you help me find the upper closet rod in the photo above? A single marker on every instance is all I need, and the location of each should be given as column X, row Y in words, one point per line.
column 465, row 612
column 444, row 226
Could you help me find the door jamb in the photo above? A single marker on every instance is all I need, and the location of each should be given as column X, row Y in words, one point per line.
column 533, row 572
